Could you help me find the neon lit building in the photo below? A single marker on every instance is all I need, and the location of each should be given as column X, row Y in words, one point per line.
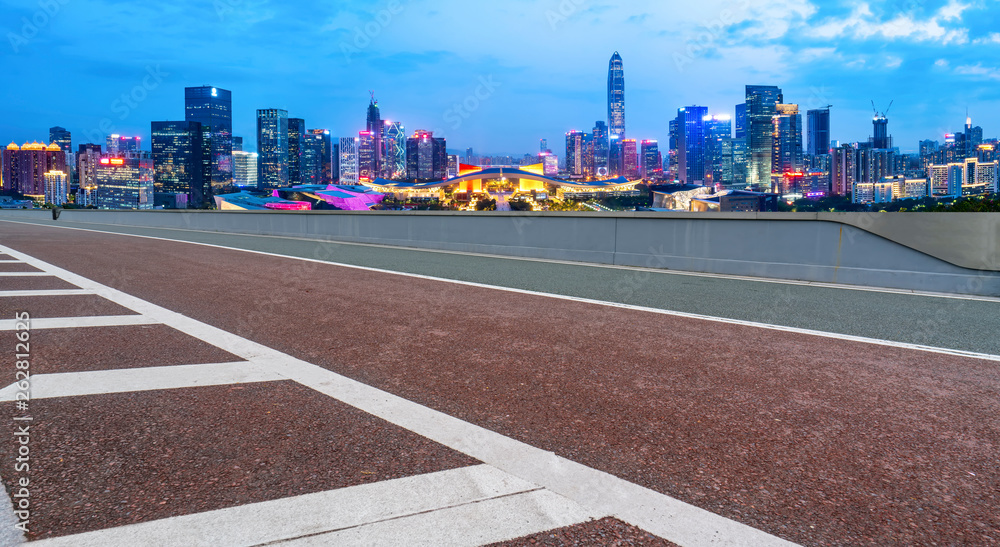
column 616, row 97
column 575, row 152
column 118, row 144
column 367, row 156
column 600, row 144
column 312, row 158
column 394, row 158
column 272, row 148
column 296, row 145
column 787, row 139
column 24, row 167
column 56, row 187
column 761, row 106
column 348, row 155
column 630, row 158
column 692, row 165
column 426, row 156
column 125, row 182
column 652, row 162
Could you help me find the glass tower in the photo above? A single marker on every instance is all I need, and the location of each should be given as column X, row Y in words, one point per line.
column 819, row 131
column 212, row 107
column 272, row 148
column 394, row 143
column 600, row 140
column 178, row 157
column 761, row 106
column 616, row 97
column 296, row 142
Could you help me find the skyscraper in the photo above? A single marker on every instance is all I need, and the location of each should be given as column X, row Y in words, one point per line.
column 819, row 131
column 367, row 156
column 245, row 169
column 691, row 140
column 601, row 152
column 741, row 121
column 616, row 167
column 125, row 182
column 56, row 187
column 881, row 140
column 630, row 159
column 375, row 127
column 426, row 156
column 62, row 137
column 237, row 146
column 394, row 159
column 616, row 97
column 311, row 171
column 212, row 107
column 652, row 165
column 272, row 148
column 575, row 151
column 179, row 162
column 328, row 173
column 761, row 106
column 88, row 157
column 118, row 144
column 543, row 146
column 296, row 141
column 348, row 160
column 787, row 139
column 24, row 167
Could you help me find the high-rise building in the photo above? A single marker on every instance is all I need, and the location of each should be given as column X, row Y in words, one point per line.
column 245, row 169
column 56, row 187
column 272, row 148
column 394, row 158
column 881, row 140
column 741, row 121
column 652, row 164
column 630, row 159
column 718, row 129
column 367, row 156
column 118, row 144
column 819, row 131
column 375, row 127
column 88, row 157
column 575, row 152
column 616, row 166
column 616, row 97
column 212, row 107
column 296, row 141
column 543, row 146
column 237, row 146
column 311, row 171
column 62, row 137
column 761, row 106
column 125, row 182
column 601, row 152
column 426, row 156
column 24, row 167
column 787, row 139
column 329, row 174
column 348, row 154
column 179, row 161
column 691, row 140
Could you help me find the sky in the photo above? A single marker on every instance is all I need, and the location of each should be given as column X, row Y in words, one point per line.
column 496, row 76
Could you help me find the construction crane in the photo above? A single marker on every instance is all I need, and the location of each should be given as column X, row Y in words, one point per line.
column 883, row 114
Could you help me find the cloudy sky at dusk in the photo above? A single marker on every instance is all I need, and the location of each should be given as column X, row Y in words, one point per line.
column 539, row 68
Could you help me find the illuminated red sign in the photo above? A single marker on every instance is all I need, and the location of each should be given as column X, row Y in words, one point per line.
column 105, row 161
column 117, row 161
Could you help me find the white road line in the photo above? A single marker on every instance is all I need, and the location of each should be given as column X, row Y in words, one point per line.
column 75, row 384
column 81, row 322
column 659, row 271
column 427, row 498
column 10, row 262
column 24, row 274
column 54, row 292
column 659, row 311
column 469, row 525
column 597, row 491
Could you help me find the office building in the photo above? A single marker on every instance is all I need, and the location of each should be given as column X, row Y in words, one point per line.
column 426, row 157
column 761, row 106
column 24, row 167
column 630, row 159
column 616, row 97
column 311, row 171
column 212, row 107
column 843, row 170
column 818, row 121
column 272, row 148
column 367, row 156
column 881, row 140
column 652, row 162
column 787, row 139
column 245, row 170
column 394, row 158
column 125, row 182
column 575, row 152
column 179, row 161
column 328, row 156
column 348, row 161
column 118, row 144
column 237, row 145
column 741, row 121
column 375, row 127
column 599, row 138
column 616, row 166
column 88, row 157
column 718, row 130
column 691, row 140
column 296, row 142
column 57, row 187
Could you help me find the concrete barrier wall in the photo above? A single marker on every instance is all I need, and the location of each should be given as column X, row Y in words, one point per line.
column 808, row 247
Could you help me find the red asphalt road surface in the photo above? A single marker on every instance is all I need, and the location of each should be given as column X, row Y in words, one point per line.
column 816, row 440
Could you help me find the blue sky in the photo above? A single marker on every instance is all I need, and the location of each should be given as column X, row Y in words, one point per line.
column 523, row 70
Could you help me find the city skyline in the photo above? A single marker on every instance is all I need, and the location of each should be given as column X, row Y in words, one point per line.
column 518, row 98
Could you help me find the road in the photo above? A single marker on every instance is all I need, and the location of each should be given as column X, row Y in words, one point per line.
column 703, row 410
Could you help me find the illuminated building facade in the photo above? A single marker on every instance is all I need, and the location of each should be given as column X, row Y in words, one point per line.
column 272, row 148
column 24, row 167
column 245, row 169
column 426, row 157
column 818, row 131
column 652, row 162
column 179, row 160
column 367, row 156
column 761, row 106
column 787, row 139
column 616, row 166
column 576, row 152
column 630, row 159
column 296, row 144
column 348, row 160
column 125, row 182
column 692, row 165
column 616, row 97
column 394, row 158
column 118, row 144
column 375, row 128
column 600, row 145
column 313, row 148
column 62, row 137
column 718, row 129
column 56, row 187
column 843, row 170
column 88, row 157
column 212, row 107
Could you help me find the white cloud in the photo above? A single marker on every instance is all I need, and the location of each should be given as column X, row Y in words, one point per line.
column 993, row 38
column 863, row 24
column 941, row 63
column 978, row 70
column 893, row 62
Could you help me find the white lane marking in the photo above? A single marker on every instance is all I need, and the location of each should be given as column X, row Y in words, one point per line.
column 599, row 492
column 54, row 292
column 10, row 262
column 469, row 525
column 75, row 384
column 24, row 274
column 659, row 311
column 323, row 512
column 732, row 277
column 81, row 322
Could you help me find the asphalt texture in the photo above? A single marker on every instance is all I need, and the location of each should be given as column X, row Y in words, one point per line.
column 816, row 440
column 960, row 324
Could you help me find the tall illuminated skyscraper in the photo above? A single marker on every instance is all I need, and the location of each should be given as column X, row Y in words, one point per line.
column 761, row 106
column 312, row 159
column 630, row 159
column 272, row 148
column 328, row 159
column 575, row 151
column 375, row 127
column 212, row 107
column 616, row 97
column 245, row 169
column 394, row 158
column 600, row 142
column 118, row 144
column 819, row 131
column 348, row 159
column 178, row 159
column 787, row 124
column 367, row 156
column 426, row 156
column 692, row 165
column 652, row 162
column 296, row 142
